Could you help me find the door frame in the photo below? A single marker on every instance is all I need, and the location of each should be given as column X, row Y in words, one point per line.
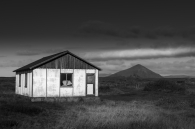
column 90, row 83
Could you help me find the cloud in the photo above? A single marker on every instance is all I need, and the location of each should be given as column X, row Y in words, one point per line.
column 15, row 63
column 169, row 32
column 102, row 28
column 33, row 52
column 53, row 50
column 166, row 32
column 27, row 53
column 144, row 53
column 175, row 66
column 188, row 32
column 107, row 29
column 115, row 62
column 163, row 66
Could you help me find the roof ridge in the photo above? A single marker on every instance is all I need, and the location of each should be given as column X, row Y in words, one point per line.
column 55, row 55
column 46, row 59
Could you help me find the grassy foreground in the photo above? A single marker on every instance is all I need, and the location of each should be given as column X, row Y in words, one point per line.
column 140, row 110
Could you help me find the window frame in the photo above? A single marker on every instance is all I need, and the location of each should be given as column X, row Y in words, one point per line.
column 62, row 86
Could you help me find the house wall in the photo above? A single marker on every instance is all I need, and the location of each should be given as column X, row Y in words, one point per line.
column 25, row 89
column 96, row 82
column 53, row 82
column 17, row 89
column 22, row 90
column 90, row 70
column 22, row 84
column 46, row 83
column 66, row 91
column 79, row 82
column 39, row 83
column 30, row 84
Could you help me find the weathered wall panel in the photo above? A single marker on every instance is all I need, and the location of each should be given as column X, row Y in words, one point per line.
column 26, row 93
column 79, row 82
column 66, row 91
column 90, row 70
column 96, row 82
column 39, row 83
column 16, row 85
column 53, row 82
column 66, row 70
column 22, row 84
column 19, row 88
column 30, row 84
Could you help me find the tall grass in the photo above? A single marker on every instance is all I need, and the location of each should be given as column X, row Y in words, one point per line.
column 164, row 111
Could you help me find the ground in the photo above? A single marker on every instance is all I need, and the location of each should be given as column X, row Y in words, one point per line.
column 123, row 104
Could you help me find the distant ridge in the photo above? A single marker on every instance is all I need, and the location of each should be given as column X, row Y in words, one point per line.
column 137, row 71
column 178, row 76
column 103, row 75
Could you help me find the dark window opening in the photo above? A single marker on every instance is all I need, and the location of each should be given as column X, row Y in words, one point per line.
column 66, row 79
column 90, row 79
column 19, row 80
column 26, row 80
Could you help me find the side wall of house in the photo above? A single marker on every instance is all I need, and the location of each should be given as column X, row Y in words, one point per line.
column 53, row 82
column 46, row 82
column 79, row 83
column 22, row 89
column 30, row 84
column 39, row 83
column 96, row 82
column 17, row 84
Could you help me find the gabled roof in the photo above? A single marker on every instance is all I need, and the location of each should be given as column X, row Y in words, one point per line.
column 47, row 59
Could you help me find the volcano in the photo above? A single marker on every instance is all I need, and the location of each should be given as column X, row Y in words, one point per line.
column 137, row 71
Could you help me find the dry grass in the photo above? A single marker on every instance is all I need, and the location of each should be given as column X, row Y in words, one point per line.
column 161, row 111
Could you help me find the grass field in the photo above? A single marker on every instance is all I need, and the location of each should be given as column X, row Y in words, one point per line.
column 119, row 108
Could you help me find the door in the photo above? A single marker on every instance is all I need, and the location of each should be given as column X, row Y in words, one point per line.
column 90, row 84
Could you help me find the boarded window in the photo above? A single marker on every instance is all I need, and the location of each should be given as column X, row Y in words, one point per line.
column 26, row 79
column 90, row 79
column 19, row 80
column 66, row 79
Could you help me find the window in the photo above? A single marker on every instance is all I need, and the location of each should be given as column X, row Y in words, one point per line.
column 90, row 79
column 66, row 79
column 26, row 80
column 19, row 80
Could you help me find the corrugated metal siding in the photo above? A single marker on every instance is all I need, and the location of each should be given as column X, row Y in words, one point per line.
column 67, row 62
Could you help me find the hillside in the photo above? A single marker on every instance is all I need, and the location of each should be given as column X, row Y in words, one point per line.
column 178, row 76
column 137, row 71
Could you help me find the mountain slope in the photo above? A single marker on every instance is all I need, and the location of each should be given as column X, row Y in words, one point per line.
column 178, row 76
column 137, row 71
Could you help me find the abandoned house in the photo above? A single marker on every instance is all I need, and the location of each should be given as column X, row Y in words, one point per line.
column 60, row 75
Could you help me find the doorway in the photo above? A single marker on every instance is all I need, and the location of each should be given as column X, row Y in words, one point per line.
column 90, row 81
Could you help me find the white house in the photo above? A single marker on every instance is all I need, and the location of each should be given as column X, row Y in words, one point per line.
column 60, row 75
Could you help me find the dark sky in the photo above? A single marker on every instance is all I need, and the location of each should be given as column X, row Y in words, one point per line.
column 49, row 18
column 150, row 33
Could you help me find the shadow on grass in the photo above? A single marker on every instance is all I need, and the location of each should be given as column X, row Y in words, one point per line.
column 21, row 108
column 7, row 123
